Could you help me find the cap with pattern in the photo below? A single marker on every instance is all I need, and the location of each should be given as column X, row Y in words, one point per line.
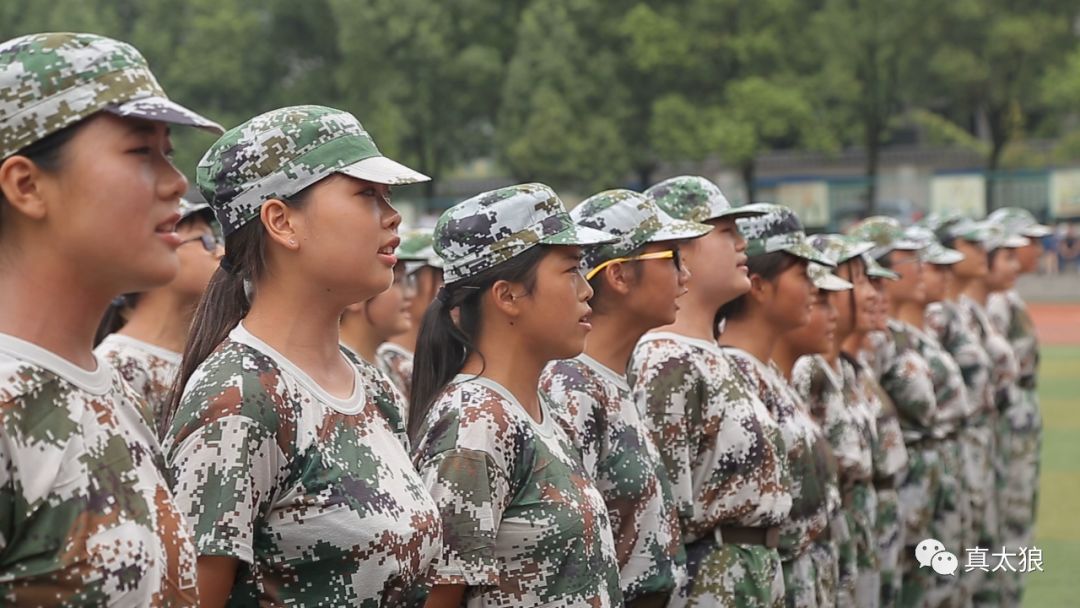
column 189, row 208
column 696, row 199
column 824, row 279
column 281, row 152
column 634, row 219
column 1019, row 221
column 885, row 233
column 933, row 251
column 778, row 229
column 490, row 228
column 53, row 80
column 840, row 247
column 417, row 249
column 960, row 227
column 999, row 238
column 875, row 270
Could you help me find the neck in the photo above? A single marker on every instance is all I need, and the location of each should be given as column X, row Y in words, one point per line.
column 612, row 340
column 976, row 290
column 695, row 319
column 407, row 340
column 52, row 306
column 912, row 313
column 785, row 356
column 852, row 344
column 161, row 319
column 361, row 340
column 509, row 359
column 751, row 333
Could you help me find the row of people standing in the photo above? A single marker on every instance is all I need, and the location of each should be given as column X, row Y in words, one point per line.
column 659, row 461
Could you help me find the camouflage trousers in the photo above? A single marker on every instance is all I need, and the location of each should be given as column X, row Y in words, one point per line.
column 978, row 446
column 810, row 579
column 890, row 542
column 847, row 568
column 952, row 519
column 917, row 494
column 721, row 575
column 1019, row 442
column 864, row 506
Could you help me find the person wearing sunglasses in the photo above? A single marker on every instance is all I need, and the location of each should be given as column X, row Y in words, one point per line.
column 636, row 282
column 143, row 334
column 721, row 448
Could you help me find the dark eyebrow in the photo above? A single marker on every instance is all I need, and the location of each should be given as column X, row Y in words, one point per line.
column 148, row 128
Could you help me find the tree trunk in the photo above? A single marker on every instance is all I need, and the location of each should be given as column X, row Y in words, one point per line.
column 644, row 175
column 993, row 163
column 748, row 169
column 873, row 151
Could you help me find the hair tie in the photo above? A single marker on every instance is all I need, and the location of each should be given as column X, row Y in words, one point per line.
column 226, row 265
column 443, row 296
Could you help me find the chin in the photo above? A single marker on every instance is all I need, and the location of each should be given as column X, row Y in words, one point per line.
column 149, row 276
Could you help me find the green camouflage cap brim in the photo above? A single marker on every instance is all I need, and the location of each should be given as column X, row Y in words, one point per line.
column 840, row 247
column 966, row 229
column 1020, row 222
column 875, row 270
column 696, row 199
column 825, row 280
column 53, row 80
column 279, row 153
column 886, row 233
column 488, row 229
column 933, row 251
column 417, row 249
column 998, row 238
column 779, row 229
column 634, row 219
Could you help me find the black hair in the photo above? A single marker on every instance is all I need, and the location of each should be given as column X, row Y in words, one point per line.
column 225, row 301
column 442, row 345
column 46, row 152
column 767, row 266
column 598, row 302
column 850, row 265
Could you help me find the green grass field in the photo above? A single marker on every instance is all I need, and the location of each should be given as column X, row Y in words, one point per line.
column 1057, row 531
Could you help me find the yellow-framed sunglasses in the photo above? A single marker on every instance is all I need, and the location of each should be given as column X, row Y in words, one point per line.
column 667, row 254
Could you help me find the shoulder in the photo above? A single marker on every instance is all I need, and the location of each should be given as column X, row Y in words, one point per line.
column 470, row 415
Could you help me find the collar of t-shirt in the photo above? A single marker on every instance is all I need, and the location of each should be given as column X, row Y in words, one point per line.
column 544, row 427
column 397, row 348
column 352, row 404
column 608, row 374
column 97, row 381
column 161, row 353
column 669, row 335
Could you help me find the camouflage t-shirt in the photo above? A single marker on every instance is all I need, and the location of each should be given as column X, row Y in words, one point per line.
column 722, row 449
column 809, row 472
column 86, row 516
column 835, row 404
column 953, row 330
column 890, row 455
column 1006, row 369
column 396, row 363
column 1009, row 315
column 594, row 406
column 150, row 370
column 523, row 523
column 950, row 393
column 907, row 379
column 314, row 494
column 390, row 401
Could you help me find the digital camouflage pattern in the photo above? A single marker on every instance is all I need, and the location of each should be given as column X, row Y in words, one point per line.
column 397, row 363
column 1019, row 431
column 53, row 80
column 633, row 219
column 149, row 369
column 779, row 229
column 87, row 516
column 834, row 405
column 279, row 153
column 874, row 270
column 491, row 228
column 696, row 199
column 933, row 252
column 523, row 523
column 314, row 494
column 1018, row 221
column 809, row 475
column 417, row 249
column 727, row 463
column 886, row 233
column 595, row 408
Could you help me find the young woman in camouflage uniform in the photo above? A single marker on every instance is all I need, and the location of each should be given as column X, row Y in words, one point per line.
column 889, row 453
column 284, row 461
column 89, row 204
column 1022, row 422
column 143, row 334
column 830, row 385
column 721, row 448
column 524, row 523
column 593, row 395
column 423, row 274
column 779, row 300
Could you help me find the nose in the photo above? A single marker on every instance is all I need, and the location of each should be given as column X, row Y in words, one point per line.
column 585, row 291
column 740, row 242
column 684, row 275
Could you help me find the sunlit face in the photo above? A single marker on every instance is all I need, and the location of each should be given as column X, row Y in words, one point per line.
column 197, row 263
column 657, row 285
column 881, row 304
column 555, row 315
column 112, row 206
column 819, row 333
column 856, row 308
column 974, row 265
column 909, row 287
column 1004, row 270
column 389, row 313
column 719, row 258
column 788, row 298
column 1029, row 255
column 427, row 281
column 936, row 280
column 347, row 232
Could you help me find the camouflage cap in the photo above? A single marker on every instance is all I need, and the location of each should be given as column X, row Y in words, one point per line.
column 417, row 249
column 999, row 238
column 823, row 278
column 696, row 199
column 634, row 219
column 1019, row 221
column 960, row 227
column 281, row 152
column 490, row 228
column 933, row 251
column 779, row 229
column 189, row 208
column 875, row 270
column 885, row 233
column 840, row 247
column 54, row 80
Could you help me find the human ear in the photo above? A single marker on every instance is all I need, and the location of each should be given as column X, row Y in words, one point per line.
column 279, row 220
column 22, row 184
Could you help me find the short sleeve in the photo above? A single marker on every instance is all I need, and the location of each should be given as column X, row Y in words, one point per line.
column 471, row 493
column 580, row 413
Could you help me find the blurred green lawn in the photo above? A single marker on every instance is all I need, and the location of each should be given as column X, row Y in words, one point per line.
column 1057, row 531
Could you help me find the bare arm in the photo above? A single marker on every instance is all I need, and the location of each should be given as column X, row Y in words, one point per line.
column 443, row 596
column 216, row 573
